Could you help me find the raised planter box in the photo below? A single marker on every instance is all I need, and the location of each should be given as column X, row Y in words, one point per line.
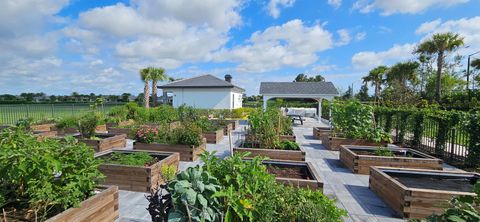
column 290, row 155
column 136, row 178
column 101, row 128
column 359, row 159
column 319, row 132
column 45, row 134
column 214, row 137
column 297, row 174
column 334, row 143
column 121, row 123
column 101, row 207
column 107, row 141
column 42, row 127
column 187, row 153
column 66, row 131
column 415, row 193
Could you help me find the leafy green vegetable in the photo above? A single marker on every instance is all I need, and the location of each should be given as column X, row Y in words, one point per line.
column 130, row 159
column 383, row 151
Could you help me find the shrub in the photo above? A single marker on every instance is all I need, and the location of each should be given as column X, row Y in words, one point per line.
column 87, row 124
column 382, row 151
column 187, row 135
column 242, row 113
column 45, row 176
column 289, row 145
column 147, row 134
column 67, row 122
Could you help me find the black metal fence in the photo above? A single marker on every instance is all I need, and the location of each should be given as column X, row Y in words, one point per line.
column 10, row 113
column 448, row 143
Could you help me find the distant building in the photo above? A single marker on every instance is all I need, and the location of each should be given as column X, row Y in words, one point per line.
column 205, row 92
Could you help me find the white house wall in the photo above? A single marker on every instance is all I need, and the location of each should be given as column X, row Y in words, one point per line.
column 237, row 100
column 210, row 98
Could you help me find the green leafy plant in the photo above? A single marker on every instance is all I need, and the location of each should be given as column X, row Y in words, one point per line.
column 67, row 122
column 193, row 196
column 45, row 176
column 383, row 151
column 187, row 135
column 87, row 124
column 249, row 193
column 130, row 159
column 24, row 122
column 168, row 172
column 288, row 145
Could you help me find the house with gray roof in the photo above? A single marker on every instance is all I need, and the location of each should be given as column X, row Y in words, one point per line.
column 205, row 92
column 310, row 90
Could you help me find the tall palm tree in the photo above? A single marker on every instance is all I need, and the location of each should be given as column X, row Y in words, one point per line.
column 157, row 74
column 440, row 45
column 145, row 75
column 375, row 76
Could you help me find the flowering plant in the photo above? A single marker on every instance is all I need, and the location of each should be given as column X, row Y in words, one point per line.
column 147, row 134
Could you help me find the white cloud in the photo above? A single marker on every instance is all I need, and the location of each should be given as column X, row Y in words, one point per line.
column 291, row 44
column 469, row 28
column 345, row 37
column 335, row 3
column 428, row 26
column 360, row 36
column 389, row 7
column 369, row 59
column 275, row 5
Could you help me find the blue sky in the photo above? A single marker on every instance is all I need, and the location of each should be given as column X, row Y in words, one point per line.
column 61, row 46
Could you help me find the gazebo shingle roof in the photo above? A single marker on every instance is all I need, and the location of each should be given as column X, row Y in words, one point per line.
column 298, row 88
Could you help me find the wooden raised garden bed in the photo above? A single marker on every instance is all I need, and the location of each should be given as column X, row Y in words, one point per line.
column 416, row 193
column 334, row 143
column 121, row 123
column 117, row 130
column 214, row 136
column 136, row 178
column 45, row 134
column 66, row 131
column 297, row 174
column 274, row 154
column 42, row 127
column 187, row 152
column 101, row 128
column 319, row 132
column 107, row 141
column 359, row 159
column 101, row 207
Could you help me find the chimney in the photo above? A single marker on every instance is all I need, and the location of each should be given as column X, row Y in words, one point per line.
column 228, row 78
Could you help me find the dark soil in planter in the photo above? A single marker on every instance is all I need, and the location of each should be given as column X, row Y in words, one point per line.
column 295, row 172
column 396, row 153
column 436, row 181
column 249, row 144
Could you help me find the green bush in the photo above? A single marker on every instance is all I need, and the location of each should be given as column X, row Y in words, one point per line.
column 67, row 122
column 288, row 145
column 46, row 176
column 188, row 135
column 249, row 193
column 87, row 124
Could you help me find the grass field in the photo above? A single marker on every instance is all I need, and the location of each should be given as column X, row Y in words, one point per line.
column 10, row 113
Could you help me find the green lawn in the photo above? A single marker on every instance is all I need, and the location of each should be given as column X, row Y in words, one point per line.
column 10, row 113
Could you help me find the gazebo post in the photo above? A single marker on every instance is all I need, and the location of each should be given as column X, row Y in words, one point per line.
column 265, row 99
column 319, row 109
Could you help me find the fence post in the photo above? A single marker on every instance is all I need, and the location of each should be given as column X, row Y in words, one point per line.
column 73, row 107
column 28, row 112
column 452, row 144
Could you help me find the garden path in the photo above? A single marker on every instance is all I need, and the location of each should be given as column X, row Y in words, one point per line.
column 350, row 190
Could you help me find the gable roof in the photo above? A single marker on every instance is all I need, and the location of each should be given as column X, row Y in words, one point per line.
column 203, row 81
column 298, row 88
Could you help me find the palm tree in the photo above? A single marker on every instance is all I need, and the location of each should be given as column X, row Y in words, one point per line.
column 157, row 74
column 439, row 45
column 403, row 73
column 145, row 75
column 375, row 76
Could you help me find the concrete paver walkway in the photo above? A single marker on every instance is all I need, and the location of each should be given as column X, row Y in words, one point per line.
column 350, row 190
